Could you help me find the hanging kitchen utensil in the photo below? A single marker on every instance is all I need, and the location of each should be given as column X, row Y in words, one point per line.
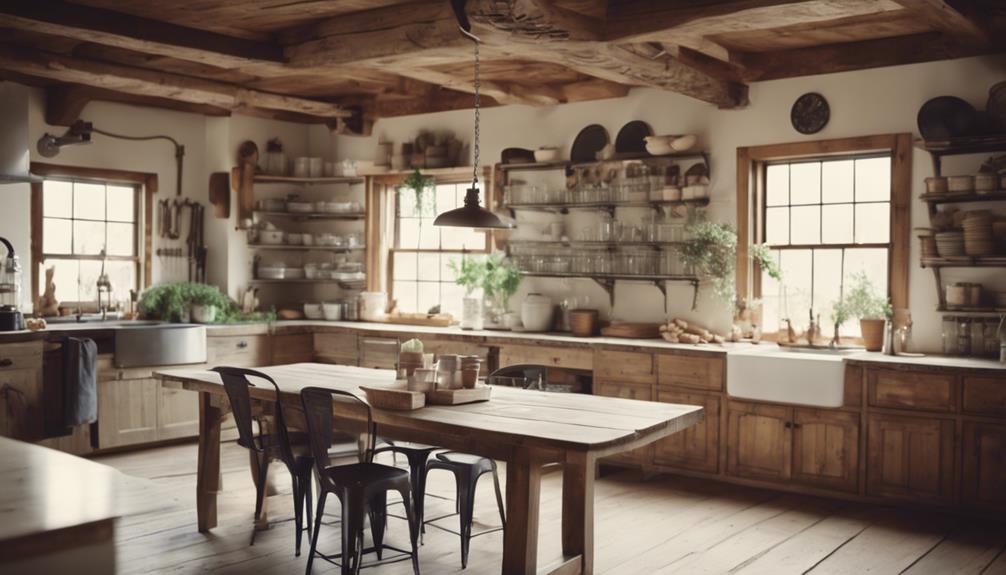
column 220, row 194
column 588, row 143
column 631, row 139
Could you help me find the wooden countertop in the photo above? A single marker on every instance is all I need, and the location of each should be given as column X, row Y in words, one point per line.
column 47, row 491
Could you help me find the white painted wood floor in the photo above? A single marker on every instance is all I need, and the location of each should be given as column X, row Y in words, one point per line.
column 663, row 525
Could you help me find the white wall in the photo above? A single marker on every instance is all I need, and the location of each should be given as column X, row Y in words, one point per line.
column 877, row 101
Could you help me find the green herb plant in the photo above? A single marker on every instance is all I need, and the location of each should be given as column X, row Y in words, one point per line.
column 500, row 280
column 168, row 302
column 862, row 300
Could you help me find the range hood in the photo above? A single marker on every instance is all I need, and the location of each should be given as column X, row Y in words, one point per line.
column 14, row 146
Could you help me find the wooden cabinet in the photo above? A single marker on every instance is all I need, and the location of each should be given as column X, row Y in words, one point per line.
column 698, row 447
column 439, row 346
column 643, row 455
column 238, row 350
column 911, row 389
column 568, row 357
column 624, row 366
column 337, row 348
column 696, row 372
column 21, row 414
column 910, row 458
column 379, row 352
column 826, row 448
column 984, row 476
column 759, row 441
column 292, row 348
column 985, row 396
column 177, row 412
column 127, row 411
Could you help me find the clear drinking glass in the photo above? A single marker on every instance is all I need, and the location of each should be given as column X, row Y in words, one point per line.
column 949, row 335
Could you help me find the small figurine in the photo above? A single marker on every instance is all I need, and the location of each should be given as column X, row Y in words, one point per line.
column 47, row 304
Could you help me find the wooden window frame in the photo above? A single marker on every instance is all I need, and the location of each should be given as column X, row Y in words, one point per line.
column 147, row 183
column 750, row 176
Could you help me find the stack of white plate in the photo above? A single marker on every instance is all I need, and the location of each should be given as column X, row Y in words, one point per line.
column 950, row 244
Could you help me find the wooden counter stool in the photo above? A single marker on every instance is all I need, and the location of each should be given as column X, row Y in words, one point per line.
column 361, row 487
column 279, row 445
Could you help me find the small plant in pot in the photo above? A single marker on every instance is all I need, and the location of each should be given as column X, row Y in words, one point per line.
column 469, row 274
column 863, row 300
column 185, row 301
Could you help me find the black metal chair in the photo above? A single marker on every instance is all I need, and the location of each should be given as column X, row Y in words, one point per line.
column 278, row 445
column 361, row 487
column 416, row 455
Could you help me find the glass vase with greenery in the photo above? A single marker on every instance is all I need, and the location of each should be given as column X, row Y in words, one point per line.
column 500, row 281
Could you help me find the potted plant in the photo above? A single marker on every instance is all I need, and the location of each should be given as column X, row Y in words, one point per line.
column 862, row 300
column 469, row 274
column 500, row 281
column 182, row 301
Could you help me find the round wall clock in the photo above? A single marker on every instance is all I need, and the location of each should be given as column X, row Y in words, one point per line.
column 810, row 113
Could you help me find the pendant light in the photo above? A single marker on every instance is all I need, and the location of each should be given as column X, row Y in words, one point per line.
column 472, row 215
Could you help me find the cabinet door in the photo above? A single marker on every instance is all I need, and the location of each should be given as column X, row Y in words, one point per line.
column 759, row 440
column 826, row 448
column 643, row 455
column 984, row 465
column 337, row 348
column 379, row 352
column 910, row 458
column 695, row 448
column 292, row 348
column 177, row 412
column 127, row 412
column 21, row 414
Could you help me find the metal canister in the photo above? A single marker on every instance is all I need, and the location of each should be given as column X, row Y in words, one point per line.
column 350, row 311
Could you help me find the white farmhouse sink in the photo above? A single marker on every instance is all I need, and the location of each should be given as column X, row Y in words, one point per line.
column 772, row 374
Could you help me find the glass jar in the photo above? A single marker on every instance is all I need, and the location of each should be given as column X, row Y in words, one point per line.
column 977, row 337
column 963, row 336
column 949, row 335
column 991, row 337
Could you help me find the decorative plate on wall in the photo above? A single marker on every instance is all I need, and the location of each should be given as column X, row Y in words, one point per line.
column 810, row 113
column 588, row 143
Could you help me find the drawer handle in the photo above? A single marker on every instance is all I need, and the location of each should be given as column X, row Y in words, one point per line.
column 242, row 344
column 6, row 362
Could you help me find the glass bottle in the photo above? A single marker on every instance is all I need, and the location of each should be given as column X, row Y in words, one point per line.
column 949, row 335
column 991, row 337
column 963, row 336
column 977, row 337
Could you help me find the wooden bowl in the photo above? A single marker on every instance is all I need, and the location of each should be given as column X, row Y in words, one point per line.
column 583, row 322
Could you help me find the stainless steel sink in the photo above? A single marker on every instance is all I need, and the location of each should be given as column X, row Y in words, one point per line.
column 155, row 343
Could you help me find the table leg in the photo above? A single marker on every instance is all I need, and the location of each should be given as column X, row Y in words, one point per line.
column 208, row 470
column 520, row 538
column 578, row 509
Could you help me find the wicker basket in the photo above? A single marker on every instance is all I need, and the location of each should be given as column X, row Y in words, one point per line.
column 583, row 322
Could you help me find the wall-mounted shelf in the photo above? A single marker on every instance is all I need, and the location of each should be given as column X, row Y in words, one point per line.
column 345, row 284
column 581, row 243
column 610, row 207
column 314, row 215
column 972, row 310
column 311, row 248
column 267, row 179
column 537, row 166
column 607, row 281
column 965, row 262
column 952, row 198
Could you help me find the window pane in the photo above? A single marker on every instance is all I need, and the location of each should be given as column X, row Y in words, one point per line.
column 88, row 237
column 405, row 294
column 453, row 238
column 428, row 294
column 122, row 275
column 873, row 223
column 873, row 261
column 405, row 266
column 805, row 183
column 836, row 179
column 836, row 224
column 65, row 278
column 88, row 201
column 89, row 272
column 429, row 267
column 806, row 225
column 795, row 291
column 451, row 295
column 407, row 203
column 121, row 240
column 429, row 235
column 446, row 275
column 777, row 226
column 873, row 179
column 408, row 233
column 56, row 236
column 770, row 301
column 777, row 185
column 57, row 199
column 121, row 203
column 473, row 239
column 446, row 197
column 827, row 284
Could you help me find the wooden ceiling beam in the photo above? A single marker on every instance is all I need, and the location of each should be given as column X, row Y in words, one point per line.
column 120, row 30
column 964, row 29
column 143, row 82
column 849, row 56
column 64, row 103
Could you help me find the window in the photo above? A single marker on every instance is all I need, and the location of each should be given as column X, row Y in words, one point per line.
column 825, row 220
column 84, row 224
column 420, row 276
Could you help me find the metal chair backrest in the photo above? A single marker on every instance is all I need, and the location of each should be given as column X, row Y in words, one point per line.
column 319, row 404
column 236, row 384
column 524, row 376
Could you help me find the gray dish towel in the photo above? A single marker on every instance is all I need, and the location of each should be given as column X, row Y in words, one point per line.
column 80, row 380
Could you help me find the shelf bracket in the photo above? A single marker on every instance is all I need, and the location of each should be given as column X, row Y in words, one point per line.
column 660, row 285
column 609, row 286
column 695, row 293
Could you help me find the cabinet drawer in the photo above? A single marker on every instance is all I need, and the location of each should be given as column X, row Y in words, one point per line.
column 379, row 352
column 624, row 366
column 238, row 350
column 292, row 348
column 985, row 395
column 911, row 390
column 690, row 371
column 340, row 348
column 27, row 355
column 569, row 357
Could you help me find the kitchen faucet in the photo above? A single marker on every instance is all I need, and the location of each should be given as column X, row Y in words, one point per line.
column 104, row 287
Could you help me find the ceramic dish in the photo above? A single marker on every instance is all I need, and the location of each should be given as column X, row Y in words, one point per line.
column 300, row 207
column 294, row 274
column 272, row 272
column 312, row 311
column 271, row 237
column 546, row 154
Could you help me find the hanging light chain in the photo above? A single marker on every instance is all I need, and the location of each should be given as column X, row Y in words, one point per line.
column 478, row 85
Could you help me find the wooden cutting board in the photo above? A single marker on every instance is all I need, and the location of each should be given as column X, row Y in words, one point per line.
column 395, row 399
column 632, row 330
column 438, row 320
column 459, row 396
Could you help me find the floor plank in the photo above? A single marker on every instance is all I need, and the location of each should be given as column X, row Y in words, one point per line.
column 660, row 525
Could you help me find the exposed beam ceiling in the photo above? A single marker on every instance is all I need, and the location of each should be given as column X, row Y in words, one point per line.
column 962, row 28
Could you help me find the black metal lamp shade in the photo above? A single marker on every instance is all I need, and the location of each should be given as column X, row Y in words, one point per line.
column 472, row 215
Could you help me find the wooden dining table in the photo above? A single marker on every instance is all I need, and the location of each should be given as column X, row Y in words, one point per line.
column 526, row 429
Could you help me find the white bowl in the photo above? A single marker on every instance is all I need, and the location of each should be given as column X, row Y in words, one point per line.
column 295, row 239
column 300, row 207
column 294, row 274
column 313, row 311
column 331, row 311
column 659, row 145
column 271, row 237
column 683, row 143
column 271, row 272
column 546, row 154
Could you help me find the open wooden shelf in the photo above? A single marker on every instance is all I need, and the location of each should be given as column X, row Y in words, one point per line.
column 534, row 166
column 267, row 179
column 583, row 243
column 314, row 215
column 311, row 248
column 562, row 207
column 956, row 197
column 965, row 262
column 969, row 145
column 972, row 310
